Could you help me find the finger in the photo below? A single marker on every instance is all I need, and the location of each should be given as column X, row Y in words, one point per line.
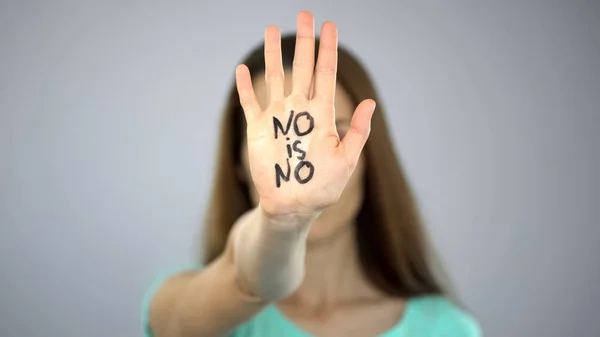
column 358, row 133
column 326, row 70
column 245, row 91
column 273, row 64
column 304, row 55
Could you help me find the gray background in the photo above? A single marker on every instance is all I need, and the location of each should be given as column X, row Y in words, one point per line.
column 108, row 127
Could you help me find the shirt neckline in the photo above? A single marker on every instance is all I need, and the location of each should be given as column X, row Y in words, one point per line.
column 395, row 330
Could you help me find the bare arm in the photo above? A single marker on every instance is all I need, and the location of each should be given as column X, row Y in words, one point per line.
column 263, row 262
column 264, row 257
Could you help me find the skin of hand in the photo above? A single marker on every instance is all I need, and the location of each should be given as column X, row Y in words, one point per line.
column 320, row 163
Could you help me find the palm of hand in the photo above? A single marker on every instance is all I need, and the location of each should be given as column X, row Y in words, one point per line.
column 297, row 161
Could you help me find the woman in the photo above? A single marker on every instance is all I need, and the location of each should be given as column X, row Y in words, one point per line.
column 306, row 236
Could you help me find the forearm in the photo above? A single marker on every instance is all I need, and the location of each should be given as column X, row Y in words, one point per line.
column 263, row 262
column 207, row 303
column 270, row 253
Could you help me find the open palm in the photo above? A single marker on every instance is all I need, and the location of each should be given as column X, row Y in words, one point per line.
column 297, row 161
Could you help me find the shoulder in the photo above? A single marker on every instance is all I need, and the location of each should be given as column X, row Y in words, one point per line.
column 448, row 318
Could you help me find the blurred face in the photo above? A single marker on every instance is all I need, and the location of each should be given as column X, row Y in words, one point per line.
column 341, row 215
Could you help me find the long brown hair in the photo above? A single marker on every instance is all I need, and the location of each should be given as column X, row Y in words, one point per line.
column 392, row 243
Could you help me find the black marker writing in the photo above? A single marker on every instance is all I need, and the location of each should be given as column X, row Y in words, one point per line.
column 311, row 124
column 277, row 124
column 311, row 171
column 299, row 150
column 304, row 169
column 279, row 174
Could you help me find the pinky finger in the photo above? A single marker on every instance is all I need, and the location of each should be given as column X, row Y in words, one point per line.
column 245, row 91
column 358, row 133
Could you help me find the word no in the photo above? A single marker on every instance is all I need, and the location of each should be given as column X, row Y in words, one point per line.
column 295, row 146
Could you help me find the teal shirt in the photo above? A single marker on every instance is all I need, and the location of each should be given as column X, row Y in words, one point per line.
column 427, row 316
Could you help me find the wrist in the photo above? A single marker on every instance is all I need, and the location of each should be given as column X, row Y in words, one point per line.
column 287, row 221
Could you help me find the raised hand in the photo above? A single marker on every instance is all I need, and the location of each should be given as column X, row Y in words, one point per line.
column 298, row 163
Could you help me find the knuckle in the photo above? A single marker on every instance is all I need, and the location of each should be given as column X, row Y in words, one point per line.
column 327, row 70
column 304, row 64
column 359, row 131
column 297, row 99
column 304, row 38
